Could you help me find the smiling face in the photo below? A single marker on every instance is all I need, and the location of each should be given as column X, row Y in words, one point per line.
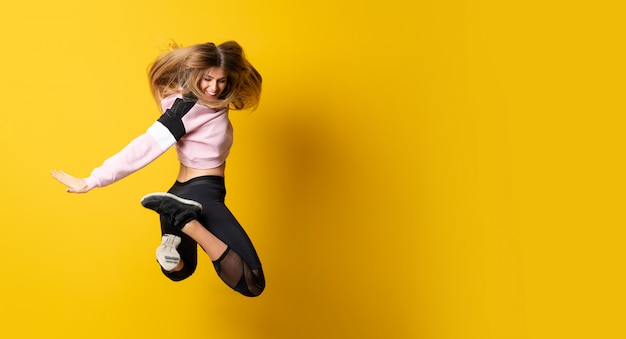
column 213, row 83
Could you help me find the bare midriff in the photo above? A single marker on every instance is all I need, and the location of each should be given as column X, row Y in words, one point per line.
column 187, row 173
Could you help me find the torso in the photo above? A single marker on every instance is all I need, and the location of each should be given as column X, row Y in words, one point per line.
column 187, row 173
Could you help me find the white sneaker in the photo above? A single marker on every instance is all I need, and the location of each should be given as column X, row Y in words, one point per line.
column 166, row 253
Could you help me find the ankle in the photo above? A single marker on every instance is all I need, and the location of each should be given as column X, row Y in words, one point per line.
column 190, row 227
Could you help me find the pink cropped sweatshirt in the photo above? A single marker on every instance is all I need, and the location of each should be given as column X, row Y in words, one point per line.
column 203, row 138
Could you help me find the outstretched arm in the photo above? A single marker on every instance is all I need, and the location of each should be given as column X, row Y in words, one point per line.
column 141, row 151
column 74, row 185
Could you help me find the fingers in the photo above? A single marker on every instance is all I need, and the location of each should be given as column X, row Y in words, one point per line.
column 56, row 175
column 61, row 177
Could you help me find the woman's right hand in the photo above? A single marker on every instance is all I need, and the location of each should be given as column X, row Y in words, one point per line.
column 74, row 185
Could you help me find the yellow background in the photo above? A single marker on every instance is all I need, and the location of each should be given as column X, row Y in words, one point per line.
column 416, row 169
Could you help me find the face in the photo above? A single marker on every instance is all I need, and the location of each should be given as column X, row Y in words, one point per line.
column 213, row 83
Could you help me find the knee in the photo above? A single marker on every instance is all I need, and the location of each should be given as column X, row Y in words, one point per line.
column 251, row 292
column 252, row 284
column 257, row 292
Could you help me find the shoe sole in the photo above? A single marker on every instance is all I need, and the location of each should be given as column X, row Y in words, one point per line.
column 169, row 195
column 166, row 261
column 167, row 254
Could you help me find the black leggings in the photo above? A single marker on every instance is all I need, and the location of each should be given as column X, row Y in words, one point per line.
column 239, row 267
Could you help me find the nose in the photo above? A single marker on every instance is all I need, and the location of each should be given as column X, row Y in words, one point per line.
column 212, row 86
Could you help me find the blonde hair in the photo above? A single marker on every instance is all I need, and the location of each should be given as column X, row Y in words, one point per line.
column 181, row 69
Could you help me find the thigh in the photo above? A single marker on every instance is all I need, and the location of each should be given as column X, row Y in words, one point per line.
column 218, row 219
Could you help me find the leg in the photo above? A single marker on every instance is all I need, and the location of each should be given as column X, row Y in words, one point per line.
column 238, row 265
column 177, row 253
column 211, row 244
column 228, row 264
column 196, row 208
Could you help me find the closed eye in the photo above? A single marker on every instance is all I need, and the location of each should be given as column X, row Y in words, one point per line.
column 221, row 80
